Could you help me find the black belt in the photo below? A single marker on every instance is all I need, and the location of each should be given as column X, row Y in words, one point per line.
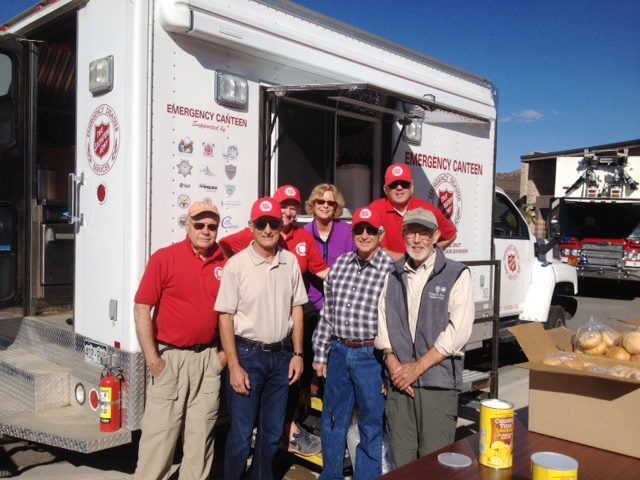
column 354, row 343
column 266, row 347
column 195, row 348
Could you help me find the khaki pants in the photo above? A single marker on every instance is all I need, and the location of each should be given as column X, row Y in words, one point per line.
column 183, row 398
column 420, row 425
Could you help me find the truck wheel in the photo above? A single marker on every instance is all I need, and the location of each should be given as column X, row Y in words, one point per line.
column 556, row 318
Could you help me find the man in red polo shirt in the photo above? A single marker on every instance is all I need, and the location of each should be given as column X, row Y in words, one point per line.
column 398, row 188
column 180, row 285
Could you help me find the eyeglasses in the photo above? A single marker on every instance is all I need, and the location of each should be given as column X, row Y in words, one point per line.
column 400, row 183
column 359, row 230
column 422, row 234
column 212, row 227
column 321, row 202
column 273, row 224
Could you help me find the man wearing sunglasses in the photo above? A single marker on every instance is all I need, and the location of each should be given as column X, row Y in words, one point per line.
column 180, row 285
column 399, row 199
column 261, row 325
column 345, row 354
column 425, row 318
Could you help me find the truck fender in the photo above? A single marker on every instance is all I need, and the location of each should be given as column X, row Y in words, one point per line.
column 544, row 278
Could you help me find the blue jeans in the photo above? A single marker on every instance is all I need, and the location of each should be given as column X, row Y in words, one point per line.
column 264, row 407
column 354, row 376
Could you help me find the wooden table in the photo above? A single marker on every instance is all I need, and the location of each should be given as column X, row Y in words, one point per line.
column 593, row 463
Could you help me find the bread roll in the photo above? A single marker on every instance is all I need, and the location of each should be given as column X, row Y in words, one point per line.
column 552, row 360
column 574, row 363
column 618, row 353
column 599, row 349
column 589, row 339
column 635, row 358
column 622, row 372
column 610, row 337
column 631, row 342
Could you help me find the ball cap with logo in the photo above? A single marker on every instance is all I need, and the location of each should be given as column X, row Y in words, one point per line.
column 287, row 192
column 397, row 172
column 265, row 207
column 366, row 215
column 420, row 216
column 198, row 208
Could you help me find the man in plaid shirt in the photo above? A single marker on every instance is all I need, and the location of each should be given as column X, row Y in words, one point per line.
column 344, row 351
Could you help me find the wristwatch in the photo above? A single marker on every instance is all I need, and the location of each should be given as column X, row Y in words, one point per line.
column 298, row 354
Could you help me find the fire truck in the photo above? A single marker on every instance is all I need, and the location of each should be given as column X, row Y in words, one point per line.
column 596, row 218
column 115, row 115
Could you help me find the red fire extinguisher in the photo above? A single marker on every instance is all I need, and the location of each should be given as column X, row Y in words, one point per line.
column 110, row 386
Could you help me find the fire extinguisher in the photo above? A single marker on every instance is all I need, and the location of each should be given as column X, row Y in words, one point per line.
column 109, row 409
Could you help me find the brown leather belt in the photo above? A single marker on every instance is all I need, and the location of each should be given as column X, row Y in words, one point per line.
column 353, row 343
column 274, row 347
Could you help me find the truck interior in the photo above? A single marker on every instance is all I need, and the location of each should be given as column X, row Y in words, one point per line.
column 36, row 241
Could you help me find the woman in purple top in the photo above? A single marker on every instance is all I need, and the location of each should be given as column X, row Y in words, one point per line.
column 333, row 236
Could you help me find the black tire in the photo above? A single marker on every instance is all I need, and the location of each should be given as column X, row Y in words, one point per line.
column 557, row 317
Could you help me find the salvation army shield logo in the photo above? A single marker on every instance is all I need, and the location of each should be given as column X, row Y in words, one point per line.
column 511, row 261
column 217, row 272
column 230, row 171
column 445, row 192
column 301, row 249
column 103, row 139
column 446, row 202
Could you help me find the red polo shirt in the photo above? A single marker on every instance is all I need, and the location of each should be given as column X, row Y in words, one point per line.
column 392, row 222
column 298, row 241
column 183, row 289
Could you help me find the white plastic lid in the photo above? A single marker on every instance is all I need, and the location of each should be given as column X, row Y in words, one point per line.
column 456, row 460
column 555, row 461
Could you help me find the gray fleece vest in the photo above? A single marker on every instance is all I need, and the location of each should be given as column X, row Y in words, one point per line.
column 433, row 318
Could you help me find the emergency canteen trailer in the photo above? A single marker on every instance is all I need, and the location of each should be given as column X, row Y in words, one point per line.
column 596, row 215
column 115, row 115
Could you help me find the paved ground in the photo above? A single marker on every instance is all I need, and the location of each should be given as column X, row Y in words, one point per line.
column 604, row 301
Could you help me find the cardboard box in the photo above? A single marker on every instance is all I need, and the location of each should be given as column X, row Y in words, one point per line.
column 598, row 410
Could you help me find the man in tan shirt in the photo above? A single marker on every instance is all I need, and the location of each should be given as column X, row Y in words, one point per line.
column 425, row 318
column 260, row 305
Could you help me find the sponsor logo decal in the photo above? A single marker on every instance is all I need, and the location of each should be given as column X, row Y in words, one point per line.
column 230, row 171
column 232, row 153
column 217, row 272
column 183, row 201
column 446, row 192
column 184, row 168
column 227, row 222
column 207, row 172
column 103, row 139
column 438, row 293
column 511, row 262
column 185, row 145
column 182, row 220
column 184, row 185
column 229, row 189
column 227, row 204
column 207, row 149
column 301, row 249
column 208, row 188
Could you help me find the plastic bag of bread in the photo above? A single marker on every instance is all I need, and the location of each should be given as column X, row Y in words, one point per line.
column 595, row 338
column 564, row 359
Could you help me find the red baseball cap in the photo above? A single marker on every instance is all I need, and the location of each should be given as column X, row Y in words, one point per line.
column 287, row 192
column 265, row 207
column 366, row 215
column 397, row 172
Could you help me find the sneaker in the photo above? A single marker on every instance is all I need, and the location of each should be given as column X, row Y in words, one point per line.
column 305, row 444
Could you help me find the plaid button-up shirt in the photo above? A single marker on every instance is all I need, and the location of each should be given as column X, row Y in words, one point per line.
column 351, row 301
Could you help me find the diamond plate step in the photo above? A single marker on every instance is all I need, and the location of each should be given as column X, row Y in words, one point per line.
column 65, row 427
column 34, row 382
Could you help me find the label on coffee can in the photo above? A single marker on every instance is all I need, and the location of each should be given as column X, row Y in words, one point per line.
column 496, row 433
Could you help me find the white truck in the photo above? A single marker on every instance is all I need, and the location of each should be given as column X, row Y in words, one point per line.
column 116, row 114
column 596, row 214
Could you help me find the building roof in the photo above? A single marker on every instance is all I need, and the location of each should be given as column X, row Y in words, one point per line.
column 630, row 144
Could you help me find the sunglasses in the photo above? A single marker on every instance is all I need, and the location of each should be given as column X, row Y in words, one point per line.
column 273, row 224
column 359, row 230
column 400, row 183
column 321, row 202
column 212, row 227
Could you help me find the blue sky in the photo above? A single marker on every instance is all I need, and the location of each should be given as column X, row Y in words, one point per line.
column 567, row 71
